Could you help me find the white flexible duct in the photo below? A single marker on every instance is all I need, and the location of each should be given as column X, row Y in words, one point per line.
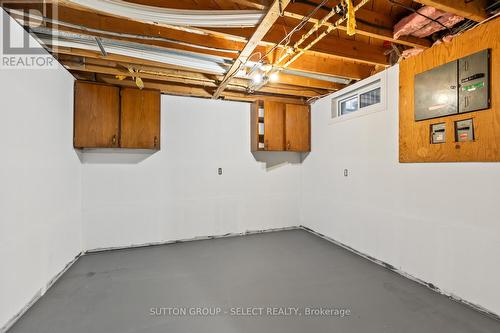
column 167, row 16
column 206, row 63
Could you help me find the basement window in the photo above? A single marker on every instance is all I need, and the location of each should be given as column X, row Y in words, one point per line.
column 348, row 105
column 359, row 99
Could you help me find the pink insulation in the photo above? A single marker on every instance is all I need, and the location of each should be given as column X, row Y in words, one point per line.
column 411, row 52
column 414, row 22
column 447, row 19
column 418, row 26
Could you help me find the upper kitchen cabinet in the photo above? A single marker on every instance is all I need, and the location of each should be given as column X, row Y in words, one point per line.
column 107, row 117
column 297, row 128
column 96, row 115
column 276, row 126
column 140, row 118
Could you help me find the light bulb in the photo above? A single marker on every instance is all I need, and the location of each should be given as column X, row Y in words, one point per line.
column 273, row 77
column 257, row 78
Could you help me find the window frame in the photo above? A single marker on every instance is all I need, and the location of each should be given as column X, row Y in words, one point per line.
column 355, row 90
column 347, row 98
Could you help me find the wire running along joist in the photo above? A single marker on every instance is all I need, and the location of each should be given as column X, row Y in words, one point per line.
column 322, row 22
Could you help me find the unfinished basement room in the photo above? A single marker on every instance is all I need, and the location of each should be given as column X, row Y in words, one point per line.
column 250, row 166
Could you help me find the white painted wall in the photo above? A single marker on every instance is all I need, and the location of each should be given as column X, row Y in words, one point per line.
column 438, row 222
column 176, row 193
column 40, row 182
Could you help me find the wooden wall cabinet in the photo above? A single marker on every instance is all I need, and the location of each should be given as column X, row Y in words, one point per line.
column 298, row 128
column 277, row 126
column 96, row 115
column 107, row 117
column 140, row 118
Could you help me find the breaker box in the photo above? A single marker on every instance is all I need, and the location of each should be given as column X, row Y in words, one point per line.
column 436, row 92
column 473, row 78
column 456, row 87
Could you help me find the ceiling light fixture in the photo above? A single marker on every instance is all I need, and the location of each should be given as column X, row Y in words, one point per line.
column 273, row 77
column 257, row 78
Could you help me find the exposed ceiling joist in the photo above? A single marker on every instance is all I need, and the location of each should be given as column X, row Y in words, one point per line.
column 272, row 14
column 342, row 49
column 191, row 80
column 373, row 32
column 327, row 60
column 187, row 29
column 284, row 78
column 196, row 91
column 307, row 63
column 250, row 4
column 473, row 10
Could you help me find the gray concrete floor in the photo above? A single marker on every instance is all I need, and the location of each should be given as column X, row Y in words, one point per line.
column 115, row 291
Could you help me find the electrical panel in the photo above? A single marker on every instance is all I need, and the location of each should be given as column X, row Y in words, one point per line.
column 473, row 78
column 436, row 92
column 456, row 87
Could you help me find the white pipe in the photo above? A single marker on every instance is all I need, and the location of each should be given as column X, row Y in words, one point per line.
column 168, row 16
column 143, row 52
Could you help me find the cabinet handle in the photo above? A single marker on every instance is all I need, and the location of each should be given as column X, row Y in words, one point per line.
column 288, row 145
column 266, row 144
column 113, row 139
column 155, row 141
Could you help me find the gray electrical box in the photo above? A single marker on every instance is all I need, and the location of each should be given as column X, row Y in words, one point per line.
column 438, row 133
column 436, row 92
column 464, row 130
column 456, row 87
column 473, row 78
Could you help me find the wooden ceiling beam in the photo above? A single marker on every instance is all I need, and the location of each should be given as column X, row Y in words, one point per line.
column 192, row 80
column 307, row 63
column 285, row 79
column 62, row 4
column 473, row 10
column 196, row 91
column 314, row 62
column 373, row 32
column 93, row 20
column 340, row 48
column 378, row 27
column 267, row 22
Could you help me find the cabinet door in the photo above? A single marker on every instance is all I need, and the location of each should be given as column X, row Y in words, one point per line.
column 140, row 119
column 274, row 126
column 297, row 129
column 96, row 115
column 254, row 126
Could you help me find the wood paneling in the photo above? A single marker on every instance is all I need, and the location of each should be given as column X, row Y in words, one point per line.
column 274, row 125
column 473, row 10
column 297, row 128
column 96, row 115
column 414, row 137
column 140, row 119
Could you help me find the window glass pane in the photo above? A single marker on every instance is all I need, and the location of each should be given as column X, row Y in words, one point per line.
column 369, row 98
column 349, row 105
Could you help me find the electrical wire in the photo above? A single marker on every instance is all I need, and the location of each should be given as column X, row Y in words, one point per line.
column 299, row 26
column 358, row 19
